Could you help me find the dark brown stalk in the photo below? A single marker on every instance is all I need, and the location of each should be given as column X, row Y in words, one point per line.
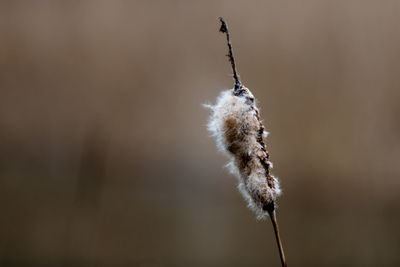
column 272, row 215
column 224, row 29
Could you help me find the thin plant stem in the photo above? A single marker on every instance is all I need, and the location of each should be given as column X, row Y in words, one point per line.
column 224, row 29
column 272, row 215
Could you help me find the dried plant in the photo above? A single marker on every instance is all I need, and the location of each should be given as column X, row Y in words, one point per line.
column 236, row 124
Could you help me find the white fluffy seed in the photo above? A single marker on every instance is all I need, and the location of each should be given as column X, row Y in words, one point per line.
column 239, row 132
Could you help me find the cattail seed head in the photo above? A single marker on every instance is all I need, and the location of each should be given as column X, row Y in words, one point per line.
column 236, row 124
column 237, row 127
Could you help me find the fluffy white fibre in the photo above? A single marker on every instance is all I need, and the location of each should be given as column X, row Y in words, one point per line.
column 239, row 133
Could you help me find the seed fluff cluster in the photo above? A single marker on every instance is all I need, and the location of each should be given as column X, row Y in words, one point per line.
column 236, row 124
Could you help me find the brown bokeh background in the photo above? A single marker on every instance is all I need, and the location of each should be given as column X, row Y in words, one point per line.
column 106, row 161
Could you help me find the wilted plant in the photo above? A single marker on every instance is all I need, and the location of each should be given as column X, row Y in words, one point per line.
column 236, row 124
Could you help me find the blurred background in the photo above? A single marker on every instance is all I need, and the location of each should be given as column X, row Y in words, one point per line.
column 105, row 157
